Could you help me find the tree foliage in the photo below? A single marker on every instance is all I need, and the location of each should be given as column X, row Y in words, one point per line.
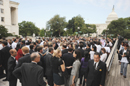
column 56, row 25
column 27, row 28
column 42, row 32
column 120, row 26
column 76, row 22
column 4, row 32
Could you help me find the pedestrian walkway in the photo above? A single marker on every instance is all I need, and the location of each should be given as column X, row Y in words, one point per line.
column 114, row 78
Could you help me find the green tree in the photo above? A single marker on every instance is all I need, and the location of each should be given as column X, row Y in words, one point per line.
column 4, row 32
column 56, row 25
column 42, row 32
column 76, row 22
column 117, row 27
column 27, row 28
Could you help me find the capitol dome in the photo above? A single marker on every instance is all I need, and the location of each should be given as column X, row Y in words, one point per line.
column 112, row 16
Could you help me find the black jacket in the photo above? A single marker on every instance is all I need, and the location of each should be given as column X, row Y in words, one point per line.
column 11, row 67
column 24, row 59
column 5, row 56
column 95, row 77
column 127, row 53
column 30, row 74
column 48, row 64
column 68, row 59
column 64, row 51
column 82, row 52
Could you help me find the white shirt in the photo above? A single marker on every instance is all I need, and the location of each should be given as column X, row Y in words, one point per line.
column 42, row 43
column 110, row 44
column 96, row 64
column 108, row 50
column 14, row 44
column 1, row 46
column 103, row 57
column 121, row 47
column 98, row 48
column 124, row 59
column 28, row 46
column 92, row 55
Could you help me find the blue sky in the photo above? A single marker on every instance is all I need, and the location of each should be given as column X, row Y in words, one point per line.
column 93, row 11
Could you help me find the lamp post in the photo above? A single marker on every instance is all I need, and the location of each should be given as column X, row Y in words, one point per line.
column 78, row 30
column 51, row 32
column 65, row 29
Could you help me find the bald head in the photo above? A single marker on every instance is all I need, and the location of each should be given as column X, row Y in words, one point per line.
column 13, row 52
column 35, row 57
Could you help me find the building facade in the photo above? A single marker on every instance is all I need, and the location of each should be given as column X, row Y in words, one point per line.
column 100, row 27
column 9, row 16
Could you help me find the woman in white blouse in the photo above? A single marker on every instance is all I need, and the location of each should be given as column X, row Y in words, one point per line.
column 104, row 55
column 124, row 60
column 93, row 50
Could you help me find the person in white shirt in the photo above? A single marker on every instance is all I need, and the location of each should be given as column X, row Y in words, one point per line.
column 93, row 50
column 124, row 60
column 1, row 44
column 104, row 55
column 14, row 44
column 98, row 47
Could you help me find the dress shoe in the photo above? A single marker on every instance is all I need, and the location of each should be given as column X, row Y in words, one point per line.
column 124, row 76
column 121, row 73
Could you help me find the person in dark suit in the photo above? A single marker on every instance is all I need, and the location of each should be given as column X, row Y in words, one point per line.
column 68, row 59
column 48, row 64
column 96, row 72
column 4, row 57
column 25, row 59
column 31, row 49
column 31, row 74
column 64, row 50
column 81, row 50
column 11, row 66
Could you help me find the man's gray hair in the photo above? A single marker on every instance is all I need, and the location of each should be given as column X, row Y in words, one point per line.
column 34, row 55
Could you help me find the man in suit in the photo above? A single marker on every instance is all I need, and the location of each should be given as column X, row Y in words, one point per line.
column 31, row 74
column 25, row 58
column 48, row 64
column 11, row 66
column 96, row 72
column 4, row 57
column 31, row 49
column 68, row 59
column 64, row 50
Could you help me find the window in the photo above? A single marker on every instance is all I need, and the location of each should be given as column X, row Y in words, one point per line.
column 1, row 2
column 2, row 10
column 2, row 19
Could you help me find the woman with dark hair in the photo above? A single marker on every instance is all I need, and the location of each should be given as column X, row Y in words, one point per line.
column 104, row 55
column 84, row 63
column 93, row 50
column 19, row 52
column 125, row 53
column 75, row 68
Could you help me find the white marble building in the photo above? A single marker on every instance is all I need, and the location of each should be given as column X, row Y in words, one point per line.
column 9, row 16
column 100, row 27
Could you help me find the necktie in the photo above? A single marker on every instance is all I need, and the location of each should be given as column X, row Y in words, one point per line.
column 95, row 66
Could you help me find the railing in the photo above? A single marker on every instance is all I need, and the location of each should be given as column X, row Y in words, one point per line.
column 111, row 56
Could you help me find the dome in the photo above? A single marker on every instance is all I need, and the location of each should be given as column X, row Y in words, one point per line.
column 112, row 16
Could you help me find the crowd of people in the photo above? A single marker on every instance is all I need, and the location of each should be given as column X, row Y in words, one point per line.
column 57, row 61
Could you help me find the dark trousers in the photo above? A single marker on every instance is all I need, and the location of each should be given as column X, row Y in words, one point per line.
column 13, row 82
column 66, row 80
column 82, row 74
column 50, row 80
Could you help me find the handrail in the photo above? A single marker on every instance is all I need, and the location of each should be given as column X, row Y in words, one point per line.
column 111, row 56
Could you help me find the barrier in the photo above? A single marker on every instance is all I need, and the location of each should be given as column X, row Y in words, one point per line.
column 111, row 56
